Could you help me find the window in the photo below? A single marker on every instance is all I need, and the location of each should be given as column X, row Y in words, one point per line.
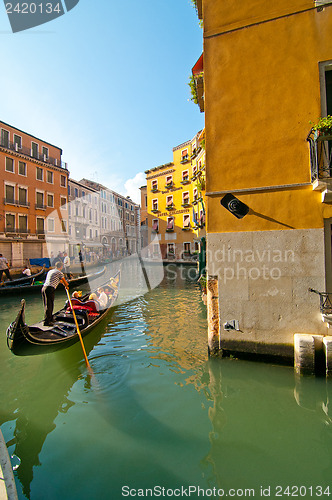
column 4, row 138
column 186, row 221
column 76, row 192
column 17, row 142
column 185, row 176
column 170, row 224
column 186, row 248
column 185, row 198
column 40, row 200
column 10, row 194
column 63, row 225
column 45, row 153
column 154, row 204
column 23, row 223
column 9, row 165
column 63, row 181
column 39, row 174
column 63, row 202
column 34, row 150
column 50, row 225
column 50, row 200
column 154, row 185
column 195, row 169
column 10, row 222
column 127, row 216
column 22, row 168
column 171, row 248
column 90, row 215
column 23, row 196
column 49, row 177
column 155, row 225
column 184, row 155
column 40, row 226
column 195, row 193
column 169, row 201
column 169, row 180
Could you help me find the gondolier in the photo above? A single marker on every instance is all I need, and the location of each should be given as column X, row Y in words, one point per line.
column 53, row 278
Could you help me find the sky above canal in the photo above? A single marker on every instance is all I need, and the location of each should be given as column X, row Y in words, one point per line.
column 106, row 82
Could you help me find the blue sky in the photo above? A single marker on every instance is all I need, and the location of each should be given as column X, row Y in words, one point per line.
column 106, row 82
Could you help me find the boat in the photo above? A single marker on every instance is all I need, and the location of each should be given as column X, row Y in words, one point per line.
column 25, row 340
column 25, row 280
column 37, row 285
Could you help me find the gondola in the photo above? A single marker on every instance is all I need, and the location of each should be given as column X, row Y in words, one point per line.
column 25, row 280
column 36, row 286
column 25, row 340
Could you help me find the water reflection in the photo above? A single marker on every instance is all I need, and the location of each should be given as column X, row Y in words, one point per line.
column 159, row 411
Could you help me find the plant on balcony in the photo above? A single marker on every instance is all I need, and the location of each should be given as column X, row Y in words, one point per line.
column 170, row 206
column 193, row 89
column 169, row 185
column 324, row 125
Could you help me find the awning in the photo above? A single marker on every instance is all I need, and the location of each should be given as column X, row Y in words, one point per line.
column 155, row 225
column 186, row 221
column 198, row 67
column 170, row 224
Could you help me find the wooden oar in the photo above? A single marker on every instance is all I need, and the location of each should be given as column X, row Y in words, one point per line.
column 78, row 331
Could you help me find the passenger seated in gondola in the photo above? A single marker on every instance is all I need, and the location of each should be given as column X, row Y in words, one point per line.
column 93, row 299
column 102, row 298
column 26, row 272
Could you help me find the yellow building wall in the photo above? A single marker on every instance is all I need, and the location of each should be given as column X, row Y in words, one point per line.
column 175, row 169
column 262, row 90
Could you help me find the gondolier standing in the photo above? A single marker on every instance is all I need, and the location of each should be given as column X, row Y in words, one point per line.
column 53, row 278
column 4, row 267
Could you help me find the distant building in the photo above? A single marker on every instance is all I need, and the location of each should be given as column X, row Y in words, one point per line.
column 175, row 201
column 119, row 215
column 33, row 188
column 144, row 217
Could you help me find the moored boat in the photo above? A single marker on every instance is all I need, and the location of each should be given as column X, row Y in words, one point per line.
column 37, row 285
column 24, row 280
column 38, row 339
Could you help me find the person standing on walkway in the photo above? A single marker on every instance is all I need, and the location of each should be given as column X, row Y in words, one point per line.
column 66, row 263
column 53, row 278
column 4, row 267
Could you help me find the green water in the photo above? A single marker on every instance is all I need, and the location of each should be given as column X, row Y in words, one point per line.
column 158, row 413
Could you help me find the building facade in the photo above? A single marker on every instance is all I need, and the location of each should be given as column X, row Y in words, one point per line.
column 175, row 201
column 144, row 217
column 267, row 78
column 33, row 196
column 119, row 221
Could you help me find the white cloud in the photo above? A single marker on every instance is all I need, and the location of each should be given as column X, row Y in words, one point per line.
column 132, row 187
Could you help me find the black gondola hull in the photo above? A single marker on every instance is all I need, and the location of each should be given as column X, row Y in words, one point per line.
column 23, row 340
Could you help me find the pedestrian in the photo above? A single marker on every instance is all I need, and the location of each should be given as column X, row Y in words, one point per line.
column 66, row 263
column 4, row 267
column 53, row 278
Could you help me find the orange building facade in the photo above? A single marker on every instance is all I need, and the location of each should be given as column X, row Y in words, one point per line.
column 33, row 189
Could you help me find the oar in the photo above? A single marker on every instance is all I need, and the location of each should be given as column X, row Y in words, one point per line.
column 78, row 331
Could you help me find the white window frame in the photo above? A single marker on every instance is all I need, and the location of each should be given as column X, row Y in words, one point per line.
column 183, row 197
column 65, row 178
column 169, row 200
column 155, row 202
column 42, row 170
column 13, row 214
column 18, row 222
column 52, row 174
column 18, row 168
column 43, row 193
column 50, row 219
column 10, row 184
column 36, row 143
column 47, row 195
column 5, row 130
column 20, row 137
column 10, row 171
column 18, row 193
column 185, row 216
column 183, row 175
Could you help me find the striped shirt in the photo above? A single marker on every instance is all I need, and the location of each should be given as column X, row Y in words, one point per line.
column 53, row 278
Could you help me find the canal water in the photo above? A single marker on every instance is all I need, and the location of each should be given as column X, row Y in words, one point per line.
column 159, row 419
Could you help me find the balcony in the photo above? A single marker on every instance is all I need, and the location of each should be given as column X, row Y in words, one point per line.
column 170, row 206
column 185, row 204
column 13, row 146
column 184, row 159
column 18, row 203
column 185, row 180
column 320, row 156
column 169, row 185
column 39, row 206
column 17, row 230
column 155, row 210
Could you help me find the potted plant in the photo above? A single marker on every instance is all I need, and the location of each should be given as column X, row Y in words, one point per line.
column 324, row 125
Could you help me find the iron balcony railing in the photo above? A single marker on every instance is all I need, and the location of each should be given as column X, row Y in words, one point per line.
column 14, row 146
column 19, row 203
column 17, row 230
column 320, row 155
column 39, row 206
